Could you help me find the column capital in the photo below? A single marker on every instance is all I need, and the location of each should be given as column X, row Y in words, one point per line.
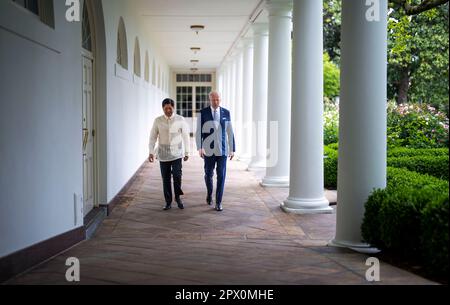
column 260, row 29
column 279, row 8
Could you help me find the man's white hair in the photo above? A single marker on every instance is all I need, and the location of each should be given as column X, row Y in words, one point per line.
column 214, row 92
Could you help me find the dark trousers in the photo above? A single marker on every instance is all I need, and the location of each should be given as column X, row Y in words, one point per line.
column 167, row 170
column 210, row 164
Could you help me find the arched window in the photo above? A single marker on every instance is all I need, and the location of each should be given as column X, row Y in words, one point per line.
column 137, row 58
column 147, row 69
column 42, row 8
column 122, row 49
column 154, row 73
column 86, row 30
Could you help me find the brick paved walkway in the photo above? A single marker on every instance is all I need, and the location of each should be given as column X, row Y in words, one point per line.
column 251, row 242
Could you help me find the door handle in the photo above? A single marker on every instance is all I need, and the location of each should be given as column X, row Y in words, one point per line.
column 85, row 137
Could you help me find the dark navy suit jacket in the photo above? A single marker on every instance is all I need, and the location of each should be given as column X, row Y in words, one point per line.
column 206, row 137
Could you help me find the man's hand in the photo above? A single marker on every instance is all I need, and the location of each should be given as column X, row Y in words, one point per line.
column 151, row 158
column 201, row 153
column 231, row 156
column 186, row 158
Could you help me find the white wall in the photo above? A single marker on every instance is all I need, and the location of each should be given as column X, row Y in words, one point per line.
column 40, row 120
column 131, row 107
column 40, row 127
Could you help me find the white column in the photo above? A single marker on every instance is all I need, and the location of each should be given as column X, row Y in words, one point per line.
column 247, row 99
column 306, row 193
column 279, row 93
column 219, row 74
column 233, row 74
column 224, row 92
column 236, row 115
column 260, row 83
column 362, row 131
column 228, row 84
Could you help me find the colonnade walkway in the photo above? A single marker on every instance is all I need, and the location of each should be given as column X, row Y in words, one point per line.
column 251, row 242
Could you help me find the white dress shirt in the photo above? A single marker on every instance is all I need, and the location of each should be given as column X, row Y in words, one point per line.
column 218, row 113
column 171, row 133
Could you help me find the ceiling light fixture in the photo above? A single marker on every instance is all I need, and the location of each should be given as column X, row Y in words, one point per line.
column 195, row 50
column 197, row 28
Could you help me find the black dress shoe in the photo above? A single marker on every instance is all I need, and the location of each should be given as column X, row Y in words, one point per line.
column 167, row 207
column 208, row 201
column 219, row 207
column 180, row 204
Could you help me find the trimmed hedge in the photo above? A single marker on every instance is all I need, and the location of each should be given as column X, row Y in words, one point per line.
column 421, row 161
column 407, row 152
column 410, row 218
column 436, row 166
column 370, row 228
column 330, row 168
column 398, row 180
column 412, row 152
column 400, row 220
column 403, row 178
column 434, row 236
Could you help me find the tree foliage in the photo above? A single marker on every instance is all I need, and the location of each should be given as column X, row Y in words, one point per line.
column 332, row 29
column 418, row 56
column 331, row 78
column 418, row 49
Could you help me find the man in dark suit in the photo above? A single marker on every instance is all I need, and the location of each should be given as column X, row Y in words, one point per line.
column 215, row 143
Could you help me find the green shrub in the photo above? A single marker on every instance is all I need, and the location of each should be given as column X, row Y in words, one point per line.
column 370, row 228
column 399, row 219
column 333, row 146
column 402, row 171
column 330, row 168
column 410, row 219
column 413, row 152
column 330, row 122
column 398, row 178
column 436, row 166
column 434, row 237
column 416, row 126
column 331, row 77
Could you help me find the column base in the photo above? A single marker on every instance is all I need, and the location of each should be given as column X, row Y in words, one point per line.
column 307, row 206
column 355, row 246
column 275, row 182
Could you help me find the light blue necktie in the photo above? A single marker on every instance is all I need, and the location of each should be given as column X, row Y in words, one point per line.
column 217, row 150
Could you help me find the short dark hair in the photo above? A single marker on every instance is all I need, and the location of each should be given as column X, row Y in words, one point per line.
column 168, row 101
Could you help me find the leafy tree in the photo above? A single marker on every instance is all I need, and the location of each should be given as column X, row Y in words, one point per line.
column 414, row 7
column 332, row 29
column 418, row 49
column 418, row 56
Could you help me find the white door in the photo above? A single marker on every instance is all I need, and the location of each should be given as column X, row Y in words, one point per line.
column 88, row 137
